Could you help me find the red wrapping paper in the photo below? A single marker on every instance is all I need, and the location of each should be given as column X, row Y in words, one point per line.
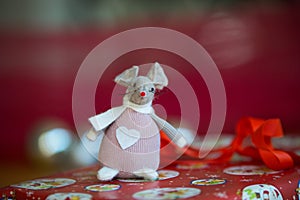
column 213, row 181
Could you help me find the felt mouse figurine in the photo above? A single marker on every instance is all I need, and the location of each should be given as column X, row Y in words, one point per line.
column 131, row 142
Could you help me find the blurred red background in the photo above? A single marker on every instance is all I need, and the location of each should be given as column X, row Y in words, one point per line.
column 256, row 48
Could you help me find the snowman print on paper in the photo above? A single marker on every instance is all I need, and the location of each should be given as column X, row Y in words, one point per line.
column 131, row 142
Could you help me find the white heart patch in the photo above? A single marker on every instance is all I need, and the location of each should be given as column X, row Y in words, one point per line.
column 127, row 138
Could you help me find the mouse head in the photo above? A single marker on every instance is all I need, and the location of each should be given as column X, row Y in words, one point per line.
column 141, row 89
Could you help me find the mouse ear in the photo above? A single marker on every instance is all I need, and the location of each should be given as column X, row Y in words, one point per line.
column 157, row 75
column 127, row 76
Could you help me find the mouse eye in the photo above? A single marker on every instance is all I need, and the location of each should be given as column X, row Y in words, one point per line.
column 151, row 89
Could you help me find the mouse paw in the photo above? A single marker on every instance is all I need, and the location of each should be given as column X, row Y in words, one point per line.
column 148, row 174
column 107, row 174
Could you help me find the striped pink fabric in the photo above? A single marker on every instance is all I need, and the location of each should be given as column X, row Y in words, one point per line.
column 143, row 154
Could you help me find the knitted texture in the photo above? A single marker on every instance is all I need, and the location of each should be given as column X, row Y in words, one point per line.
column 143, row 154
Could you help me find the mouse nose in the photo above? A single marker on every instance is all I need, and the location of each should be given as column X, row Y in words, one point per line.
column 142, row 94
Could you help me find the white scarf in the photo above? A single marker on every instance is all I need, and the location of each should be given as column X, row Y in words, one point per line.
column 103, row 120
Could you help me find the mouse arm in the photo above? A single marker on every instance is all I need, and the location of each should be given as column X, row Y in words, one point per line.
column 171, row 132
column 92, row 134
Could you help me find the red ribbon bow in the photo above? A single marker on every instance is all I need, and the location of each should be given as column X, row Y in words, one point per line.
column 261, row 132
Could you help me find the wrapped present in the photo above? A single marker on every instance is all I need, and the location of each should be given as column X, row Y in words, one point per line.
column 271, row 173
column 190, row 179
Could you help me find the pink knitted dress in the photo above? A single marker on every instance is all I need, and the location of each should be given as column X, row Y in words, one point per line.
column 144, row 153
